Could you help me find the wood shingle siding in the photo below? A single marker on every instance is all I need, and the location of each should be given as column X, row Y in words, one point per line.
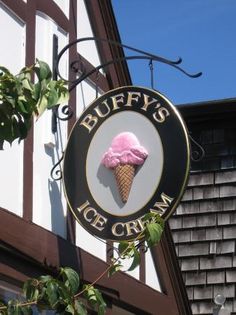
column 204, row 224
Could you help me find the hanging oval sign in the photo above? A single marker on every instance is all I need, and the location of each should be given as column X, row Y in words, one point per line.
column 127, row 154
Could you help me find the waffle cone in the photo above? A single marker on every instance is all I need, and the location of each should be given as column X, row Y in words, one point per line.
column 124, row 178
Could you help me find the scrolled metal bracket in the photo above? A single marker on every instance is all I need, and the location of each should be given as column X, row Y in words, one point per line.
column 56, row 171
column 197, row 152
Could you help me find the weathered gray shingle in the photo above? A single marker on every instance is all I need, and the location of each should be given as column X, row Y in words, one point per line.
column 195, row 278
column 223, row 218
column 201, row 179
column 190, row 264
column 213, row 248
column 223, row 247
column 214, row 277
column 188, row 195
column 189, row 221
column 231, row 276
column 198, row 235
column 203, row 292
column 214, row 233
column 234, row 261
column 197, row 193
column 216, row 262
column 229, row 204
column 229, row 232
column 226, row 247
column 206, row 220
column 205, row 307
column 175, row 223
column 206, row 206
column 197, row 249
column 211, row 192
column 181, row 236
column 225, row 177
column 190, row 293
column 187, row 208
column 233, row 217
column 227, row 191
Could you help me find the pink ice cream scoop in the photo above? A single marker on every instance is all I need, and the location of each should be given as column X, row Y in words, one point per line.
column 124, row 154
column 125, row 149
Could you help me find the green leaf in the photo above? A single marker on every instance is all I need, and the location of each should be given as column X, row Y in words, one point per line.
column 71, row 279
column 95, row 298
column 30, row 289
column 45, row 279
column 27, row 84
column 70, row 309
column 136, row 259
column 122, row 247
column 42, row 70
column 36, row 91
column 114, row 268
column 154, row 232
column 80, row 308
column 52, row 98
column 52, row 292
column 4, row 70
column 41, row 106
column 13, row 308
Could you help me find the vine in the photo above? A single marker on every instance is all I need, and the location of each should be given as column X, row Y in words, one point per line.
column 61, row 294
column 21, row 99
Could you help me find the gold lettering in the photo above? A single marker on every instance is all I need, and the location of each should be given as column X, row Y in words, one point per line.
column 99, row 222
column 162, row 113
column 147, row 102
column 84, row 205
column 99, row 112
column 132, row 98
column 132, row 226
column 142, row 222
column 119, row 98
column 161, row 206
column 114, row 229
column 87, row 211
column 89, row 122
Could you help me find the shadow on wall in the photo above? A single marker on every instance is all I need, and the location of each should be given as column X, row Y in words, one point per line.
column 58, row 218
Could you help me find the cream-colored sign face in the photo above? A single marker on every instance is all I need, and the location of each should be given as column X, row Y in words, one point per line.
column 101, row 180
column 158, row 180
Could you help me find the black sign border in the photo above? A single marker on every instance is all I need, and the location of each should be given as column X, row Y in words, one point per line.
column 175, row 144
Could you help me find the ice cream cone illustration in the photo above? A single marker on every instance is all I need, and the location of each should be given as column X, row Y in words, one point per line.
column 123, row 156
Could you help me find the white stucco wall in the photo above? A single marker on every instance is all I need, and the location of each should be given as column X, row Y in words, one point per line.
column 86, row 93
column 12, row 38
column 49, row 206
column 86, row 49
column 152, row 279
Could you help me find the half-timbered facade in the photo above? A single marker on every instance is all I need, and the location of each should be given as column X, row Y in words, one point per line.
column 37, row 232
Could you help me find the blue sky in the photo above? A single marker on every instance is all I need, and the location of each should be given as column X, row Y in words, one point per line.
column 201, row 32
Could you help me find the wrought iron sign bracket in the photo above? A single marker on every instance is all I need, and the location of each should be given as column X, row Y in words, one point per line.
column 76, row 65
column 142, row 56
